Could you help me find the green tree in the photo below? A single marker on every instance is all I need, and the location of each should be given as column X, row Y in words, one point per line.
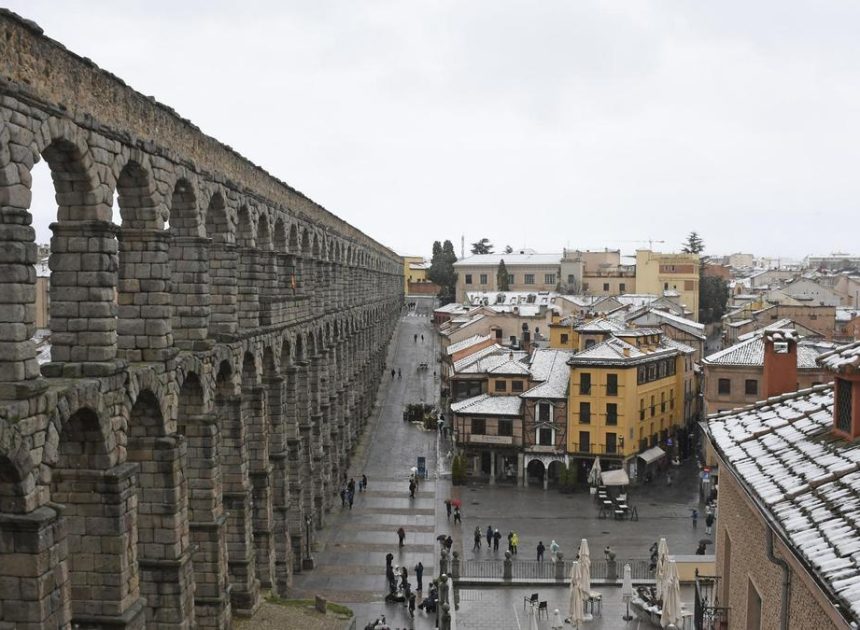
column 713, row 297
column 484, row 246
column 442, row 270
column 509, row 249
column 694, row 244
column 502, row 277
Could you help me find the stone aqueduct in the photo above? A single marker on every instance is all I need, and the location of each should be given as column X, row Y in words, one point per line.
column 213, row 360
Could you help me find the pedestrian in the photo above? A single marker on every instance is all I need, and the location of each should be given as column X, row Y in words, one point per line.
column 497, row 536
column 511, row 542
column 608, row 554
column 709, row 522
column 392, row 374
column 540, row 550
column 350, row 487
column 553, row 550
column 422, row 338
column 411, row 488
column 457, row 516
column 399, row 374
column 515, row 542
column 695, row 516
column 343, row 497
column 448, row 508
column 419, row 573
column 449, row 542
column 477, row 538
column 489, row 536
column 412, row 604
column 700, row 550
column 401, row 535
column 364, row 481
column 414, row 338
column 350, row 495
column 389, row 558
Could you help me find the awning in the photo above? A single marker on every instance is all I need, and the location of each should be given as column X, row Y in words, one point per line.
column 652, row 454
column 615, row 478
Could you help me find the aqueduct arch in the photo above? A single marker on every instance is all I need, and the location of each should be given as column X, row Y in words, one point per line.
column 224, row 342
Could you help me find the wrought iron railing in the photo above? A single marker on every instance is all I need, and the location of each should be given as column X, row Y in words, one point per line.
column 707, row 612
column 601, row 569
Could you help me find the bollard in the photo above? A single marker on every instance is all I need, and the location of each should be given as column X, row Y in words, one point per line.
column 443, row 561
column 611, row 569
column 443, row 589
column 509, row 571
column 446, row 617
column 559, row 567
column 455, row 566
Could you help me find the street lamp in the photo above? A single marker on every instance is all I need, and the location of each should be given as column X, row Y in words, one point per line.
column 308, row 562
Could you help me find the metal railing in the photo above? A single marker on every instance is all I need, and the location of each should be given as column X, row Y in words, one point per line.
column 601, row 569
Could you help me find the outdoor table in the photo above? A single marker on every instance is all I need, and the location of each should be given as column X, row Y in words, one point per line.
column 620, row 515
column 607, row 503
column 594, row 598
column 622, row 506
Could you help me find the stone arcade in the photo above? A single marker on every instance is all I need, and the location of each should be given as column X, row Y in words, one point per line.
column 207, row 380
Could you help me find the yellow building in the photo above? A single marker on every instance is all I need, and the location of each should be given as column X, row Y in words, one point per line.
column 669, row 274
column 626, row 401
column 414, row 271
column 562, row 333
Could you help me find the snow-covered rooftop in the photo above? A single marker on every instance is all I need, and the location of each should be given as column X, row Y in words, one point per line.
column 549, row 367
column 782, row 450
column 615, row 351
column 514, row 258
column 487, row 405
column 751, row 353
column 462, row 345
column 844, row 360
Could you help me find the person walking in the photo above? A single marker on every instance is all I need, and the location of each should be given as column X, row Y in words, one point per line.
column 401, row 535
column 540, row 550
column 457, row 516
column 364, row 481
column 343, row 497
column 422, row 338
column 511, row 542
column 695, row 516
column 477, row 537
column 489, row 536
column 419, row 573
column 411, row 488
column 515, row 542
column 399, row 374
column 497, row 536
column 709, row 522
column 414, row 338
column 392, row 374
column 350, row 495
column 350, row 487
column 553, row 550
column 448, row 508
column 389, row 559
column 412, row 605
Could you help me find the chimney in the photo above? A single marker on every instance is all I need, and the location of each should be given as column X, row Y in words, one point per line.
column 626, row 351
column 780, row 362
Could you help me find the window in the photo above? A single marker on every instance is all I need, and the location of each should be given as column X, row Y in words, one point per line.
column 529, row 278
column 611, row 414
column 564, row 338
column 610, row 443
column 672, row 398
column 483, row 278
column 589, row 343
column 498, row 333
column 584, row 413
column 622, row 288
column 753, row 607
column 544, row 412
column 571, row 279
column 724, row 386
column 584, row 441
column 549, row 278
column 501, row 386
column 516, row 386
column 751, row 387
column 641, row 408
column 665, row 286
column 611, row 384
column 585, row 383
column 479, row 426
column 606, row 286
column 844, row 405
column 506, row 428
column 689, row 285
column 662, row 402
column 641, row 375
column 653, row 407
column 468, row 278
column 546, row 436
column 510, row 278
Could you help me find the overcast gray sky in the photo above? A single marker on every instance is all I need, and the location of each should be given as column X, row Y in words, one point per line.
column 544, row 124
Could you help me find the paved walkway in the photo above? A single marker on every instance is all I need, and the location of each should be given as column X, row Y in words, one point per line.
column 350, row 553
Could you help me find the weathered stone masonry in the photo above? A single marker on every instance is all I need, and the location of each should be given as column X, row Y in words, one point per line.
column 207, row 380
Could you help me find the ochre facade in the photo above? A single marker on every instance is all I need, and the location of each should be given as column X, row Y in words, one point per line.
column 207, row 381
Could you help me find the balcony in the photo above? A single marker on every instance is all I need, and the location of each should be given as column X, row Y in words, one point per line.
column 596, row 449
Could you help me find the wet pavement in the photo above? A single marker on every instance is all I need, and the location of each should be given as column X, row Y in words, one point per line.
column 350, row 551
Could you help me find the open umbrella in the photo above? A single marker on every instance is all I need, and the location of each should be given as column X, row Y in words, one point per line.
column 594, row 473
column 627, row 590
column 662, row 560
column 456, row 502
column 671, row 597
column 577, row 602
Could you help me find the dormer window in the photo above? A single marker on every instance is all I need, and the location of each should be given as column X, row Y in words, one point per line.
column 844, row 405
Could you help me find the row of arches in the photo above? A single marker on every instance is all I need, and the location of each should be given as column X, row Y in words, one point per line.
column 204, row 478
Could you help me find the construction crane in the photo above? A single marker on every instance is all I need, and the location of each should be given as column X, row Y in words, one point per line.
column 650, row 242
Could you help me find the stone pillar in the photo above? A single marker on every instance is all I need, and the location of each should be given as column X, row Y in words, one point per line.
column 93, row 554
column 83, row 311
column 164, row 553
column 19, row 371
column 144, row 326
column 279, row 459
column 208, row 522
column 296, row 451
column 190, row 292
column 256, row 417
column 559, row 567
column 245, row 593
column 492, row 467
column 305, row 426
column 223, row 275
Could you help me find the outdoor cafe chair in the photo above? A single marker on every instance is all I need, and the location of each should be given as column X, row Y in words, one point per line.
column 542, row 606
column 530, row 600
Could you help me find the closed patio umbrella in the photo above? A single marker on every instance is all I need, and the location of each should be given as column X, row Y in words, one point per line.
column 671, row 597
column 577, row 603
column 662, row 560
column 627, row 590
column 585, row 566
column 594, row 473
